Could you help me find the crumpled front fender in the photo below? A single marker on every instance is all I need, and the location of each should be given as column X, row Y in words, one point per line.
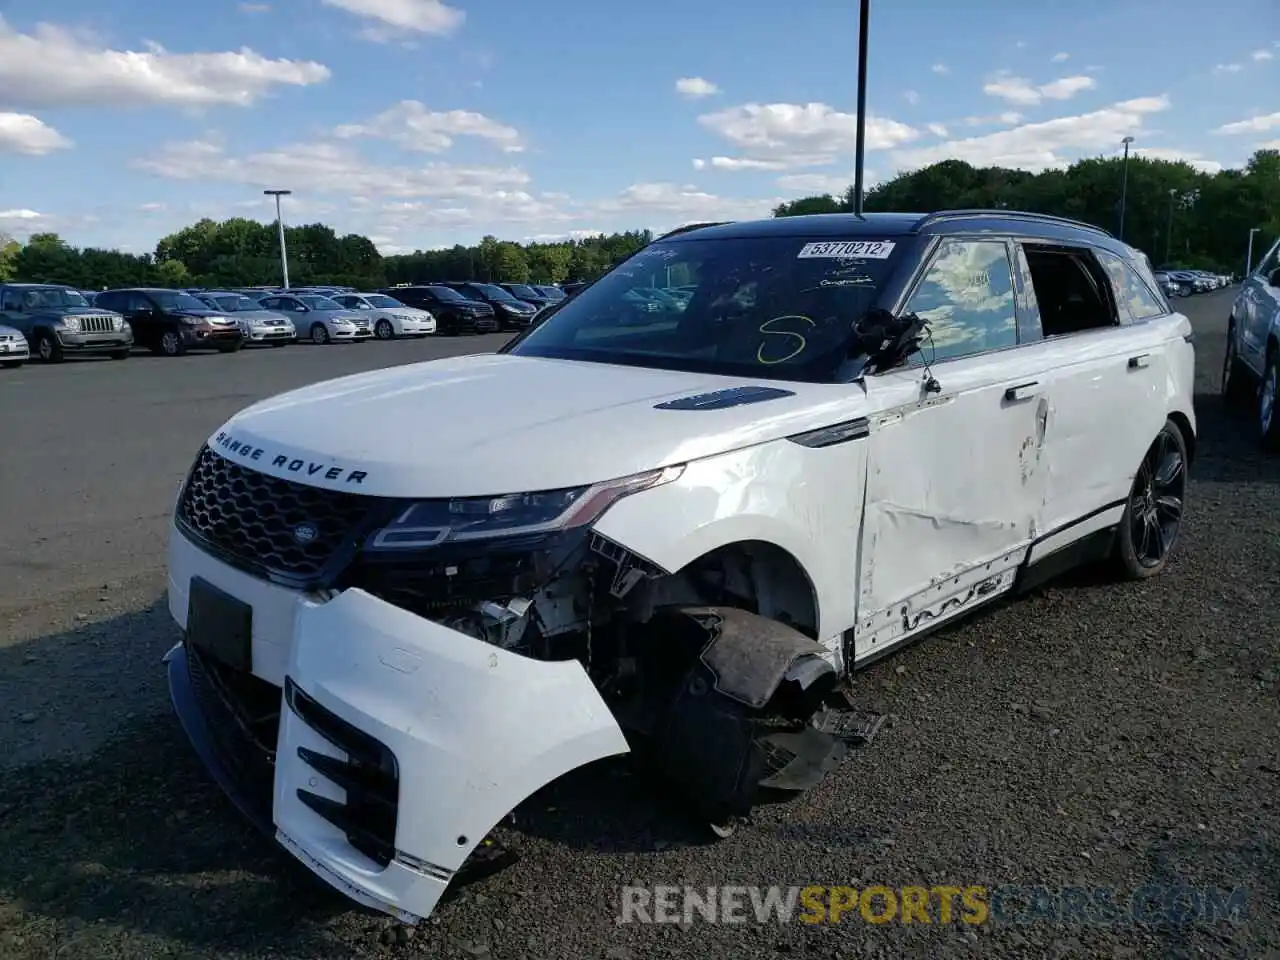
column 473, row 730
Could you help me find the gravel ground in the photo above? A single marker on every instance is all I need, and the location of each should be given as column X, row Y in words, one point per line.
column 1086, row 736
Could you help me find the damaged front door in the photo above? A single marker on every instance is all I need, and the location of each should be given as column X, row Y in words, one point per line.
column 956, row 477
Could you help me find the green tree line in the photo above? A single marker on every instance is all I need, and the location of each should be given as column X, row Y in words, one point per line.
column 1179, row 215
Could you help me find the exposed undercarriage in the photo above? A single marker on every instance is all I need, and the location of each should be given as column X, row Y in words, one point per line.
column 713, row 672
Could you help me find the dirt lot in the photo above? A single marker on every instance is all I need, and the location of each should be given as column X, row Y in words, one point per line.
column 1087, row 736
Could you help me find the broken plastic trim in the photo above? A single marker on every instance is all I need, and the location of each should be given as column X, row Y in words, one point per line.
column 834, row 434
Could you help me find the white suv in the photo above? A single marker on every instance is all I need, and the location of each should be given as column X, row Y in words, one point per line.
column 410, row 598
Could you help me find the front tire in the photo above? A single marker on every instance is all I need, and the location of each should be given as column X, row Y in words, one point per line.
column 383, row 330
column 319, row 334
column 1236, row 378
column 48, row 348
column 171, row 344
column 1152, row 519
column 1268, row 399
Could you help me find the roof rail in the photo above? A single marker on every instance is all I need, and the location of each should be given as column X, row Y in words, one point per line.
column 692, row 226
column 942, row 215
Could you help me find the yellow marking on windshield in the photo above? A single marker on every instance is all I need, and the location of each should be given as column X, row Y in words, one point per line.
column 766, row 329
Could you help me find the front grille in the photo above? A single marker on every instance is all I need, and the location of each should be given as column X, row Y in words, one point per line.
column 253, row 519
column 96, row 324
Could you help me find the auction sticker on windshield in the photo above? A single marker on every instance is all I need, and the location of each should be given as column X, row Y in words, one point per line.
column 846, row 249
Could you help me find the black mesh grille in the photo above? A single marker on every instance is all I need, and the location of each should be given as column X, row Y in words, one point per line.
column 254, row 520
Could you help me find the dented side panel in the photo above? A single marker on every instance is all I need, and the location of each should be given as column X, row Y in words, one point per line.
column 956, row 480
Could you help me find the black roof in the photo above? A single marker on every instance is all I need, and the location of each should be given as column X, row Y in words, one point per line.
column 40, row 286
column 845, row 225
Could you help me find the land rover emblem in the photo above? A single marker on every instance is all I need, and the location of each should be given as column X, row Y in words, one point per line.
column 305, row 533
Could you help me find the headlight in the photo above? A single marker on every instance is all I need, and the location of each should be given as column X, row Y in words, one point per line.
column 71, row 324
column 124, row 327
column 432, row 522
column 342, row 321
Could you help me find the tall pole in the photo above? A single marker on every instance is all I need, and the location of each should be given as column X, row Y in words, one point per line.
column 284, row 256
column 1124, row 183
column 1248, row 257
column 1168, row 232
column 860, row 142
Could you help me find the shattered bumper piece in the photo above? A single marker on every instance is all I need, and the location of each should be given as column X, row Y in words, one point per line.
column 402, row 743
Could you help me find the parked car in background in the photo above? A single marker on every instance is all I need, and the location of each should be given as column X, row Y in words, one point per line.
column 57, row 321
column 512, row 314
column 570, row 289
column 258, row 325
column 14, row 351
column 527, row 293
column 320, row 319
column 1168, row 285
column 171, row 322
column 390, row 317
column 550, row 291
column 1251, row 367
column 454, row 313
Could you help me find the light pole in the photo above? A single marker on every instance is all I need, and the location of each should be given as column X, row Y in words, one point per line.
column 1248, row 257
column 861, row 131
column 1124, row 183
column 284, row 256
column 1168, row 232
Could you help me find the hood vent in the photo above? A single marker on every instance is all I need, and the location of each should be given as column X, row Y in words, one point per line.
column 722, row 399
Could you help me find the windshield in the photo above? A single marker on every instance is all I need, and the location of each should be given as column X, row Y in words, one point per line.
column 778, row 307
column 52, row 297
column 321, row 303
column 176, row 300
column 553, row 292
column 234, row 303
column 491, row 292
column 446, row 293
column 524, row 290
column 382, row 302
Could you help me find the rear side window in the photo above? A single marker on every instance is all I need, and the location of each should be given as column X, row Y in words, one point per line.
column 1072, row 290
column 11, row 300
column 1135, row 299
column 966, row 297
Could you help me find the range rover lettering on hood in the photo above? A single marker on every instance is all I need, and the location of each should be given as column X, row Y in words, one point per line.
column 248, row 451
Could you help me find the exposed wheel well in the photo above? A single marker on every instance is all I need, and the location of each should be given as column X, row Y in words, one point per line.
column 772, row 581
column 1183, row 423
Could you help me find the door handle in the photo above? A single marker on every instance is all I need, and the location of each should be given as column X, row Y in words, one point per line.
column 1023, row 391
column 1140, row 362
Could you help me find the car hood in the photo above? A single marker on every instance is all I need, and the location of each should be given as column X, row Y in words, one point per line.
column 257, row 316
column 490, row 424
column 73, row 312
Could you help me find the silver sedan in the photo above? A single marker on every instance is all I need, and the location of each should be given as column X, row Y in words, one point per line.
column 390, row 317
column 14, row 351
column 321, row 319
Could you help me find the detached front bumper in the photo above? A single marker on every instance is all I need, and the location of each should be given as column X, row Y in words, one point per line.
column 400, row 743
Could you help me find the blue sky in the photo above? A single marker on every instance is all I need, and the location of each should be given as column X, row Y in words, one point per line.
column 423, row 123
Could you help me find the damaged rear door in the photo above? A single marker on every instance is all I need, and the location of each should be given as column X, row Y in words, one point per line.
column 956, row 479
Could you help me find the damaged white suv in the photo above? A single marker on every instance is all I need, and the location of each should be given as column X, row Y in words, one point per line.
column 410, row 598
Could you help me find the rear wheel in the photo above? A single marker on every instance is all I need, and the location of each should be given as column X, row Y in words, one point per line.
column 1268, row 395
column 1153, row 516
column 48, row 348
column 1236, row 379
column 383, row 330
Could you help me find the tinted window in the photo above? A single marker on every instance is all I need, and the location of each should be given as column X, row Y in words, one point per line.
column 778, row 307
column 177, row 300
column 1269, row 263
column 42, row 298
column 443, row 293
column 488, row 291
column 1134, row 297
column 524, row 290
column 966, row 297
column 10, row 300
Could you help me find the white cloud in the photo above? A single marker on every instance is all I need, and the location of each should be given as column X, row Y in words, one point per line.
column 668, row 205
column 941, row 69
column 1174, row 155
column 937, row 129
column 695, row 88
column 911, row 97
column 1228, row 68
column 51, row 67
column 1038, row 146
column 1008, row 118
column 1261, row 55
column 743, row 163
column 411, row 125
column 800, row 135
column 811, row 184
column 1060, row 57
column 388, row 19
column 699, row 163
column 1253, row 125
column 1021, row 91
column 254, row 7
column 23, row 133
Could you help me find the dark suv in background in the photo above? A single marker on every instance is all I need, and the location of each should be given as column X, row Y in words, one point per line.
column 58, row 320
column 171, row 322
column 454, row 312
column 512, row 314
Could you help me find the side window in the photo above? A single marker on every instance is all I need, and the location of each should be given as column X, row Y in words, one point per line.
column 1269, row 263
column 1072, row 290
column 11, row 300
column 136, row 301
column 1134, row 297
column 966, row 297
